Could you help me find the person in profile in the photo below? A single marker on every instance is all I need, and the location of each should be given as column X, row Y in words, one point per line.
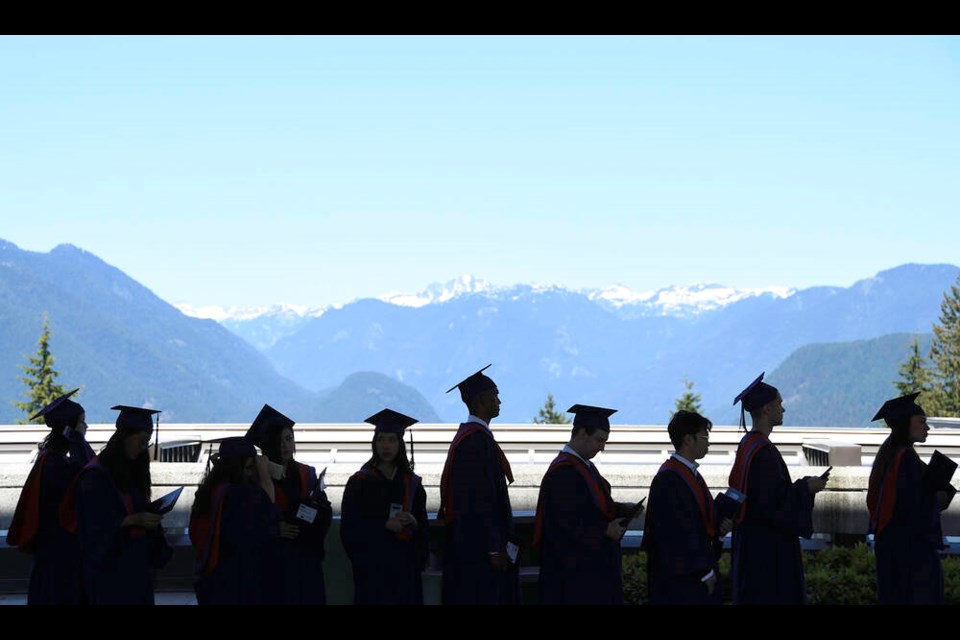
column 306, row 512
column 234, row 528
column 480, row 550
column 682, row 531
column 905, row 510
column 383, row 522
column 36, row 527
column 121, row 540
column 578, row 525
column 767, row 562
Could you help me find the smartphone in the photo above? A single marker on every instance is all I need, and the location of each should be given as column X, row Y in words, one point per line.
column 625, row 521
column 823, row 476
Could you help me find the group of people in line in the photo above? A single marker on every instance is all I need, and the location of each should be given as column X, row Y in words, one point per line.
column 259, row 520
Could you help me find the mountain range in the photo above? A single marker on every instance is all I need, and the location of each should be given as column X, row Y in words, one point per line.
column 122, row 344
column 834, row 351
column 612, row 347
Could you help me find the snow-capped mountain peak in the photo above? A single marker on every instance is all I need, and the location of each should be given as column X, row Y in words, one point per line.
column 682, row 300
column 224, row 314
column 439, row 292
column 674, row 300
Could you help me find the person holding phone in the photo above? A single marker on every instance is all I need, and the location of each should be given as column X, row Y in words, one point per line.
column 767, row 563
column 682, row 530
column 234, row 528
column 578, row 525
column 303, row 503
column 121, row 542
column 384, row 526
column 36, row 527
column 905, row 511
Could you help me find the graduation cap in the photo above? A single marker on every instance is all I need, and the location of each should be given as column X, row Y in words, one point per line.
column 268, row 418
column 474, row 385
column 594, row 417
column 230, row 448
column 236, row 447
column 755, row 396
column 390, row 421
column 61, row 412
column 902, row 407
column 134, row 419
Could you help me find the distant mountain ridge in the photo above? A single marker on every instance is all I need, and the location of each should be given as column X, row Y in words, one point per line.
column 124, row 345
column 263, row 326
column 842, row 382
column 553, row 340
column 672, row 300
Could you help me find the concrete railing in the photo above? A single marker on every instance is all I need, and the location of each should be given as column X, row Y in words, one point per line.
column 831, row 453
column 632, row 456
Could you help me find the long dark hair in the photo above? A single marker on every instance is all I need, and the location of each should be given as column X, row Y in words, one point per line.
column 126, row 473
column 403, row 464
column 223, row 470
column 899, row 437
column 55, row 441
column 271, row 444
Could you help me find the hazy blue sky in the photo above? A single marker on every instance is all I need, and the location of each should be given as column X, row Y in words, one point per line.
column 306, row 170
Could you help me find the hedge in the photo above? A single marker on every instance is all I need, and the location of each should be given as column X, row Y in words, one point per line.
column 838, row 575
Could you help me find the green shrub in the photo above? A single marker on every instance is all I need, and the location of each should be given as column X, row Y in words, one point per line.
column 635, row 577
column 838, row 575
column 841, row 575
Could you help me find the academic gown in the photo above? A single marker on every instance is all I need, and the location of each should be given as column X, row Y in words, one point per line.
column 301, row 559
column 118, row 562
column 767, row 562
column 387, row 566
column 909, row 568
column 237, row 547
column 478, row 519
column 579, row 564
column 680, row 538
column 36, row 527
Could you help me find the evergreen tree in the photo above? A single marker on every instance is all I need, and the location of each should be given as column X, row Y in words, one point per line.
column 914, row 376
column 40, row 377
column 549, row 414
column 689, row 401
column 945, row 355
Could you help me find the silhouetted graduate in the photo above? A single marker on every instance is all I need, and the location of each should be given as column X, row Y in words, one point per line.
column 905, row 510
column 767, row 564
column 682, row 531
column 121, row 541
column 36, row 527
column 306, row 511
column 475, row 505
column 578, row 525
column 384, row 527
column 234, row 528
